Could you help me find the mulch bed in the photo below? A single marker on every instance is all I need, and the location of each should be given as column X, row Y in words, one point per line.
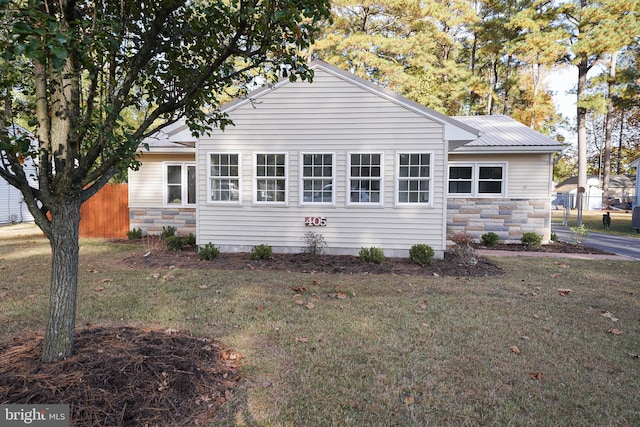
column 122, row 376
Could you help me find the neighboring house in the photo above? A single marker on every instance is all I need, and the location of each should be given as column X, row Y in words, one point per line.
column 13, row 209
column 347, row 159
column 622, row 191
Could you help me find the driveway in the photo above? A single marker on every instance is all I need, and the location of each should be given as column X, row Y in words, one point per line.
column 621, row 245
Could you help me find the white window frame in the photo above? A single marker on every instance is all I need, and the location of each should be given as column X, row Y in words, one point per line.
column 430, row 178
column 475, row 178
column 303, row 178
column 184, row 184
column 350, row 177
column 257, row 178
column 210, row 178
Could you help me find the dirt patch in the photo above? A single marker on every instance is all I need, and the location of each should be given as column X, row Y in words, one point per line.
column 553, row 247
column 123, row 376
column 302, row 263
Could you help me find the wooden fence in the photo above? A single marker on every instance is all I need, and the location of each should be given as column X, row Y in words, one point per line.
column 106, row 214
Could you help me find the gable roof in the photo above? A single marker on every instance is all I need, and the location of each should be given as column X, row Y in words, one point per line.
column 454, row 129
column 500, row 133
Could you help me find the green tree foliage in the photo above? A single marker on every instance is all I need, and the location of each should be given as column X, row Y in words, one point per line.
column 91, row 64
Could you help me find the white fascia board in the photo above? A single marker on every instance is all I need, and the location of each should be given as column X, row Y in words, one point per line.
column 506, row 150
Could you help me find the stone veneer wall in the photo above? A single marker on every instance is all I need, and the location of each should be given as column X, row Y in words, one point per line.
column 152, row 220
column 508, row 218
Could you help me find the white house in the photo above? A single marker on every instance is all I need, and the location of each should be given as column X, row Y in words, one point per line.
column 13, row 209
column 349, row 160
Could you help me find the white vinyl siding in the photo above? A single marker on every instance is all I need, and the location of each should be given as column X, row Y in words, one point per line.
column 147, row 184
column 525, row 176
column 329, row 116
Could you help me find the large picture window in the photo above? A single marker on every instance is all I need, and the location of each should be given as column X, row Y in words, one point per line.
column 414, row 178
column 476, row 179
column 224, row 177
column 180, row 184
column 270, row 178
column 317, row 178
column 365, row 178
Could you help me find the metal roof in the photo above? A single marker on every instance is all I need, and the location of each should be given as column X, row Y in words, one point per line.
column 504, row 133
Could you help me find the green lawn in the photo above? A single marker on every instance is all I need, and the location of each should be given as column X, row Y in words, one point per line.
column 592, row 220
column 406, row 351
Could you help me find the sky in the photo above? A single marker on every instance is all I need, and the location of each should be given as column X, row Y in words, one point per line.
column 560, row 82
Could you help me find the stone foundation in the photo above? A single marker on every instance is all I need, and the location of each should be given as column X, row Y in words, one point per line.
column 152, row 220
column 508, row 218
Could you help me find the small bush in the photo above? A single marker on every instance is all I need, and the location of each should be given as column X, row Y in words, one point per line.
column 531, row 239
column 372, row 254
column 463, row 248
column 421, row 254
column 134, row 234
column 554, row 237
column 189, row 240
column 579, row 233
column 168, row 231
column 261, row 252
column 314, row 243
column 174, row 243
column 208, row 252
column 490, row 239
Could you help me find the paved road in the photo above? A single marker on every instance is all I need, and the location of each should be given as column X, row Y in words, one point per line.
column 621, row 245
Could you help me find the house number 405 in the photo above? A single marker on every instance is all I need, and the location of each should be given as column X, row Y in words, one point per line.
column 315, row 221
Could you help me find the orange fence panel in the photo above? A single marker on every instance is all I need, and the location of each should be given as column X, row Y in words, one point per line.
column 106, row 214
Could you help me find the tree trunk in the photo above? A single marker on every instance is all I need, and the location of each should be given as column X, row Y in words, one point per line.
column 608, row 130
column 581, row 118
column 58, row 340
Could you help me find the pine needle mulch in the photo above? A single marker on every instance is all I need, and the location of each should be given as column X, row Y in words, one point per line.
column 123, row 376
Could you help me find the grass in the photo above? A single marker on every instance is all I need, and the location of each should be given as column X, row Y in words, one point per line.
column 592, row 220
column 392, row 351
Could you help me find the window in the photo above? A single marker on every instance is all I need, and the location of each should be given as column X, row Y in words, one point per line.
column 317, row 178
column 476, row 179
column 365, row 183
column 414, row 178
column 180, row 179
column 224, row 177
column 271, row 182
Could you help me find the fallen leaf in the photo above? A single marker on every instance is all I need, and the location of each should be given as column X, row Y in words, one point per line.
column 554, row 276
column 299, row 289
column 98, row 288
column 535, row 316
column 408, row 399
column 92, row 270
column 155, row 276
column 564, row 292
column 514, row 349
column 609, row 316
column 171, row 331
column 298, row 302
column 310, row 305
column 260, row 308
column 20, row 277
column 633, row 355
column 302, row 339
column 204, row 286
column 615, row 331
column 341, row 295
column 31, row 296
column 106, row 281
column 536, row 375
column 524, row 337
column 266, row 384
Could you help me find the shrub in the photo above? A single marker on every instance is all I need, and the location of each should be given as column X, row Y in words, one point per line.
column 168, row 231
column 531, row 239
column 490, row 239
column 463, row 248
column 421, row 254
column 134, row 234
column 314, row 243
column 261, row 252
column 189, row 240
column 208, row 252
column 174, row 243
column 372, row 254
column 554, row 237
column 579, row 233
